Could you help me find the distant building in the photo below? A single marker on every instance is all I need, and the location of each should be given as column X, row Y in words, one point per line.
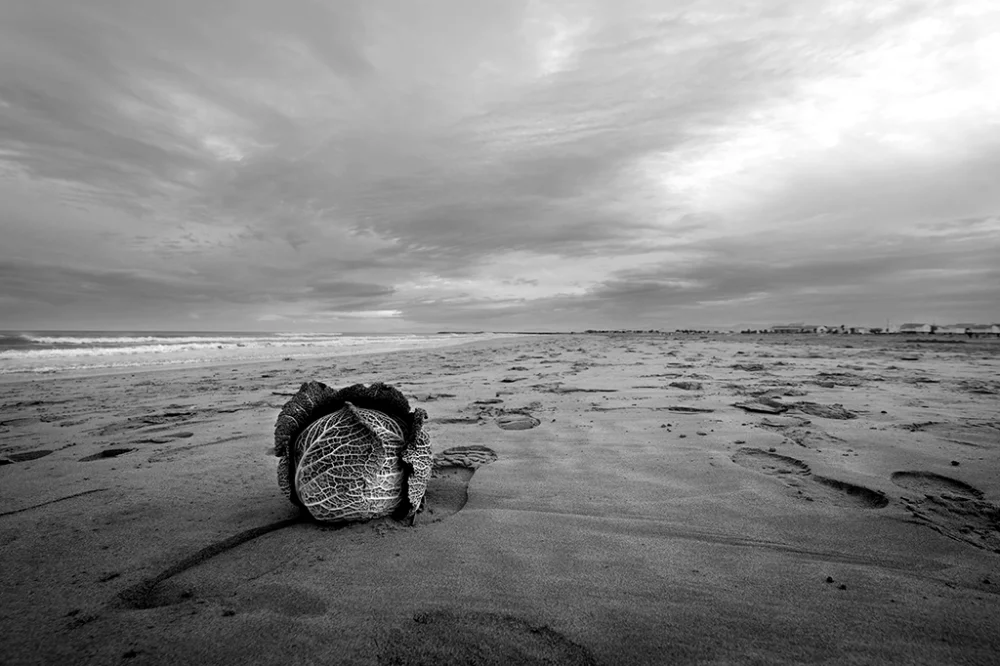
column 952, row 329
column 860, row 330
column 797, row 328
column 981, row 329
column 916, row 328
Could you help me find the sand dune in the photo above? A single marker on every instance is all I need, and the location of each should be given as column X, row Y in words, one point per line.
column 596, row 499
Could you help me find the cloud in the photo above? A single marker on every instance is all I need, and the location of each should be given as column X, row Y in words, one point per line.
column 496, row 162
column 342, row 289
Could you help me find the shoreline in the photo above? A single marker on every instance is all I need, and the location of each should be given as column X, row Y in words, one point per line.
column 193, row 365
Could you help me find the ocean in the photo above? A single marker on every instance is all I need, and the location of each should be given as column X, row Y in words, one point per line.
column 34, row 352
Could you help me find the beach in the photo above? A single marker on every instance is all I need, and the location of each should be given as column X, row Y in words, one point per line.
column 654, row 499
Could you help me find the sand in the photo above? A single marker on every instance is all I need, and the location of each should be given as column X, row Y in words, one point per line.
column 847, row 512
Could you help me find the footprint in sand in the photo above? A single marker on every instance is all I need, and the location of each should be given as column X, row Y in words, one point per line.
column 472, row 457
column 952, row 508
column 457, row 420
column 447, row 493
column 808, row 486
column 24, row 456
column 105, row 454
column 448, row 490
column 166, row 438
column 463, row 637
column 824, row 411
column 935, row 484
column 170, row 454
column 982, row 435
column 516, row 421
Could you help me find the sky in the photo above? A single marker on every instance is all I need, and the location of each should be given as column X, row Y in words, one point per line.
column 311, row 165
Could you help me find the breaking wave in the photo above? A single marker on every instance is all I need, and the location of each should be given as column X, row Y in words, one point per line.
column 48, row 352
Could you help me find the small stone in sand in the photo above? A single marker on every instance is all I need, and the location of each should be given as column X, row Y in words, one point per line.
column 687, row 386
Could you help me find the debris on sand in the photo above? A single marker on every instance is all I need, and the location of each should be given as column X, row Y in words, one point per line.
column 557, row 387
column 683, row 409
column 763, row 406
column 980, row 386
column 783, row 422
column 834, row 379
column 749, row 367
column 835, row 411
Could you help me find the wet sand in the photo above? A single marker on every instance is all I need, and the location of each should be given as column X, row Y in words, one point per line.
column 847, row 511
